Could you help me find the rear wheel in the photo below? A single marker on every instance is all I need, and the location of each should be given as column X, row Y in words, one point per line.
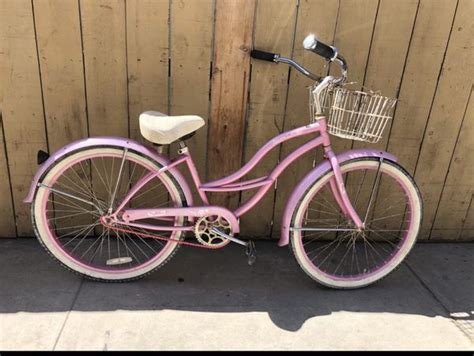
column 327, row 245
column 83, row 187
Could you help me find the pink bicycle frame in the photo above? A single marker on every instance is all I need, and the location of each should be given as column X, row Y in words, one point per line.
column 231, row 183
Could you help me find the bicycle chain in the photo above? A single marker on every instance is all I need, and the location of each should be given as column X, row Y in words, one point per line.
column 179, row 242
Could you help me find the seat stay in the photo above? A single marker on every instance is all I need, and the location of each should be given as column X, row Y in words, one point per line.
column 147, row 178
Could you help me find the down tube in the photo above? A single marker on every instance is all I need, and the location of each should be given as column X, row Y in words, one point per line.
column 278, row 170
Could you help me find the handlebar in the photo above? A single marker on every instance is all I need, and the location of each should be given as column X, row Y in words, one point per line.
column 264, row 56
column 310, row 43
column 275, row 57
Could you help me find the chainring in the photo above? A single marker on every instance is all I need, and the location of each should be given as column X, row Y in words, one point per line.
column 206, row 236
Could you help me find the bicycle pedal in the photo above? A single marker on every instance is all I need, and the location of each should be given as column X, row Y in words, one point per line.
column 251, row 253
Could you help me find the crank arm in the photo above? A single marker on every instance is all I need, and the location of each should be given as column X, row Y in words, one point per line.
column 250, row 251
column 228, row 237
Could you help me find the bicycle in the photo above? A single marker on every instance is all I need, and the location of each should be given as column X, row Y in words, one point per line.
column 112, row 209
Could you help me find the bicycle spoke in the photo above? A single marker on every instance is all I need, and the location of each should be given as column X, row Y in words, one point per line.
column 109, row 182
column 333, row 251
column 98, row 239
column 80, row 191
column 87, row 230
column 138, row 247
column 129, row 251
column 99, row 247
column 64, row 194
column 89, row 184
column 77, row 207
column 66, row 216
column 119, row 177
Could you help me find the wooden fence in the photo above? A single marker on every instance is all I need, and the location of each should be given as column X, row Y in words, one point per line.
column 76, row 68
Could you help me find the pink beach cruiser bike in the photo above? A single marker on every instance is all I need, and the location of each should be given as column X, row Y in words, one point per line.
column 112, row 209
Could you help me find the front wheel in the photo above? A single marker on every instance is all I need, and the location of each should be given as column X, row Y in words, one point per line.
column 327, row 245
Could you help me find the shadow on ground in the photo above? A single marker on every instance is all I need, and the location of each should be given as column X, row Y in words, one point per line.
column 436, row 280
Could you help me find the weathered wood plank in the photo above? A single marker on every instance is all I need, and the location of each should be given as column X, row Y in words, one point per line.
column 274, row 29
column 319, row 17
column 425, row 55
column 58, row 32
column 191, row 54
column 459, row 185
column 453, row 90
column 229, row 83
column 20, row 102
column 62, row 73
column 388, row 52
column 103, row 28
column 355, row 25
column 7, row 222
column 147, row 52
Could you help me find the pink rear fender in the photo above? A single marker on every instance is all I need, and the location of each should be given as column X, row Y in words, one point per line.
column 107, row 141
column 312, row 176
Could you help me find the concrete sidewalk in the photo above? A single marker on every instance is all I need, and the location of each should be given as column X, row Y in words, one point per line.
column 212, row 300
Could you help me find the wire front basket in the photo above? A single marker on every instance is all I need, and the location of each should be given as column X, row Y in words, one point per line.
column 354, row 114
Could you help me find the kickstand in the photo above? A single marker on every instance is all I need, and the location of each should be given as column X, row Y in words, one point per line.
column 251, row 252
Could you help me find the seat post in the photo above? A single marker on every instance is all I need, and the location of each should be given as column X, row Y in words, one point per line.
column 183, row 148
column 158, row 148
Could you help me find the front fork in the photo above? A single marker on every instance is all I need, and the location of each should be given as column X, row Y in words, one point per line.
column 339, row 190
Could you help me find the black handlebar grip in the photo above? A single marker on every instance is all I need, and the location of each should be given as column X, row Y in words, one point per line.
column 265, row 56
column 313, row 44
column 324, row 50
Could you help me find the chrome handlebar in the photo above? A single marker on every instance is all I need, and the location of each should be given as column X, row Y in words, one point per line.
column 310, row 43
column 299, row 67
